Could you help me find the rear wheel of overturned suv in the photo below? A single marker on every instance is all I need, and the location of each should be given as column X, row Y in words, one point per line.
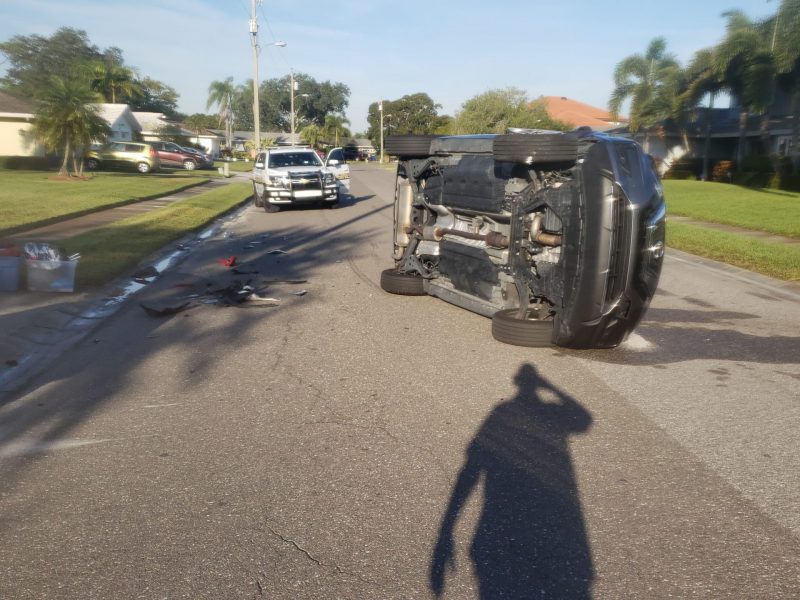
column 535, row 148
column 532, row 332
column 409, row 146
column 403, row 284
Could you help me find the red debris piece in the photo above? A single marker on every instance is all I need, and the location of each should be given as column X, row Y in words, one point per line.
column 227, row 262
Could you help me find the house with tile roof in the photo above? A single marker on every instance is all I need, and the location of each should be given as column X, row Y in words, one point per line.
column 579, row 114
column 16, row 128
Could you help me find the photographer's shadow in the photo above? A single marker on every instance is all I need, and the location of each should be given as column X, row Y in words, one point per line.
column 531, row 540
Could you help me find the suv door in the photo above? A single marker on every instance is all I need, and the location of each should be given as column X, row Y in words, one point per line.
column 168, row 154
column 336, row 163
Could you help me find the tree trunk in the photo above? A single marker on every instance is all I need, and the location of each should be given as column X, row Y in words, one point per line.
column 707, row 145
column 742, row 140
column 796, row 131
column 64, row 171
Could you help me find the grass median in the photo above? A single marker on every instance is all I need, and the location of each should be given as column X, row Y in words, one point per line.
column 36, row 198
column 777, row 260
column 110, row 251
column 773, row 211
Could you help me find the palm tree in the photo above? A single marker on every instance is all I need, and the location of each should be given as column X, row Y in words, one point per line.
column 221, row 93
column 703, row 80
column 115, row 81
column 312, row 134
column 335, row 125
column 641, row 79
column 66, row 120
column 745, row 65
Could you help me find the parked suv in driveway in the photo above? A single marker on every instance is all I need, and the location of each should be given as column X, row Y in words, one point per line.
column 122, row 155
column 558, row 238
column 291, row 176
column 174, row 156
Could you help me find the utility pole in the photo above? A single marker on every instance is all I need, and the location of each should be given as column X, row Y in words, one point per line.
column 291, row 101
column 380, row 109
column 256, row 105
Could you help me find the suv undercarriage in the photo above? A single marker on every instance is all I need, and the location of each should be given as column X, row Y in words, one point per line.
column 558, row 238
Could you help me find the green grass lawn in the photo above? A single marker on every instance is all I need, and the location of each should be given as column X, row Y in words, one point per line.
column 30, row 199
column 774, row 211
column 777, row 260
column 239, row 166
column 112, row 250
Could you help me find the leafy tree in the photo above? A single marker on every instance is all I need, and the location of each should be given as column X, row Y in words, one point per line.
column 66, row 120
column 497, row 110
column 221, row 94
column 319, row 99
column 156, row 96
column 34, row 59
column 645, row 80
column 411, row 114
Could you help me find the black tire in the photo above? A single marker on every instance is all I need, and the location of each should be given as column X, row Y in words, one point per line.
column 403, row 284
column 535, row 148
column 271, row 208
column 409, row 146
column 532, row 333
column 92, row 164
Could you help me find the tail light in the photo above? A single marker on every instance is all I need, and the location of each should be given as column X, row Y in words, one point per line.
column 153, row 152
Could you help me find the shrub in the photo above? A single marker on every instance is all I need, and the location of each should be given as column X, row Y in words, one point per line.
column 722, row 171
column 28, row 163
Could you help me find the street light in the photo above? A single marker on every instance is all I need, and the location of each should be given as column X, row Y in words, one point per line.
column 256, row 105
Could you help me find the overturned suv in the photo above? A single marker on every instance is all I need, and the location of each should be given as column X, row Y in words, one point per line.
column 559, row 238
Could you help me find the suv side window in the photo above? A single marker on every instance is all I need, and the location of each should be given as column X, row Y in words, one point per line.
column 337, row 155
column 133, row 148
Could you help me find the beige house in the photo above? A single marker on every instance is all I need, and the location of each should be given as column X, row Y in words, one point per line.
column 16, row 128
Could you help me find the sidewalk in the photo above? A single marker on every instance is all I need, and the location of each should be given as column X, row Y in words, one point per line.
column 37, row 327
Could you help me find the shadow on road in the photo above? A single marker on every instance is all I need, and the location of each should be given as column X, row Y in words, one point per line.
column 115, row 357
column 681, row 335
column 531, row 540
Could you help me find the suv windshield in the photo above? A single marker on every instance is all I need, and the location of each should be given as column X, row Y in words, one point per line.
column 294, row 159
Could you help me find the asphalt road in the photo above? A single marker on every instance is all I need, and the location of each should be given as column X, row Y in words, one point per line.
column 346, row 443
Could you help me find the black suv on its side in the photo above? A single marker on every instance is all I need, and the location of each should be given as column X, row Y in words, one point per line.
column 559, row 238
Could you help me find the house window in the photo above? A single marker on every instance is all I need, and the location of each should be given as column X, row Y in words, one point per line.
column 784, row 145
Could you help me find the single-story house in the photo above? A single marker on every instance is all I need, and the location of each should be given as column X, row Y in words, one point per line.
column 16, row 128
column 358, row 148
column 154, row 126
column 124, row 126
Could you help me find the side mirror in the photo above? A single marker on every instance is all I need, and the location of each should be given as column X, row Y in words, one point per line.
column 333, row 162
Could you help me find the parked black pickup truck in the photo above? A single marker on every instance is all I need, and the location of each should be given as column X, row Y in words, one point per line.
column 558, row 237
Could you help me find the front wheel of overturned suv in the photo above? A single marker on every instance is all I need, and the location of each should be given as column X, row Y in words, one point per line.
column 535, row 148
column 404, row 284
column 532, row 332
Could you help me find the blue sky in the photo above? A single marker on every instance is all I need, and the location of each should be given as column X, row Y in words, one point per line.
column 449, row 50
